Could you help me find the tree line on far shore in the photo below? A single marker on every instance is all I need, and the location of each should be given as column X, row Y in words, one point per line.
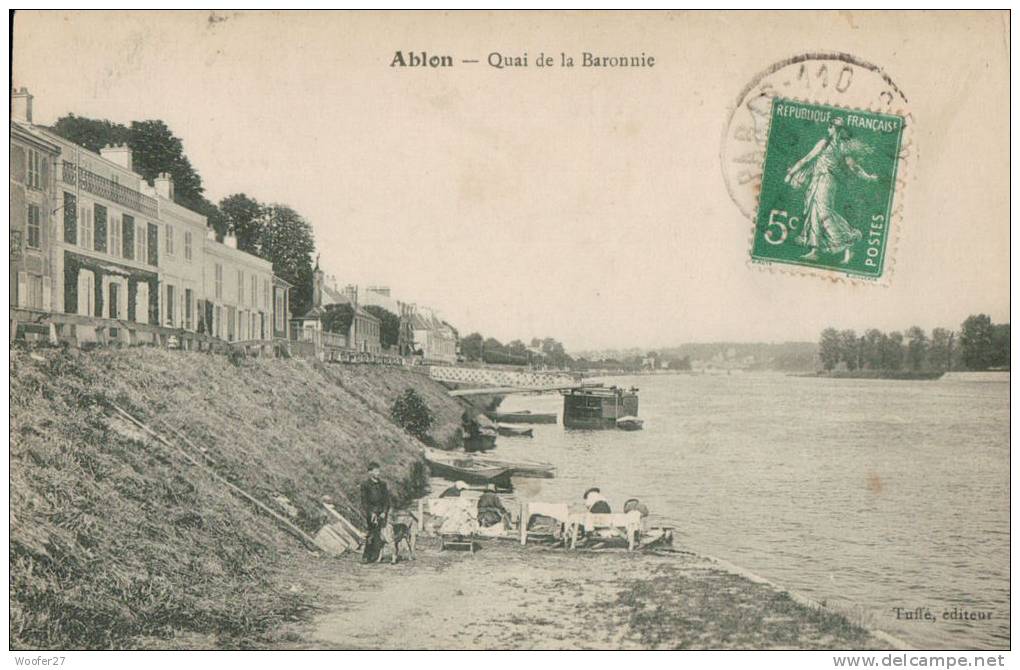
column 542, row 351
column 978, row 345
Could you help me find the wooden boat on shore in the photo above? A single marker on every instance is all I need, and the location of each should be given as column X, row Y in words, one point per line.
column 483, row 468
column 510, row 430
column 630, row 423
column 523, row 416
column 460, row 467
column 520, row 467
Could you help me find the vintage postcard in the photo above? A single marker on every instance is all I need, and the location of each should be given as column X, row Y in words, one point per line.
column 511, row 330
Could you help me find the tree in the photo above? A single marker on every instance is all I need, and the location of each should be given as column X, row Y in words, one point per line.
column 917, row 347
column 154, row 150
column 891, row 349
column 471, row 347
column 288, row 243
column 940, row 349
column 850, row 351
column 244, row 218
column 829, row 348
column 976, row 342
column 411, row 413
column 1000, row 345
column 872, row 349
column 389, row 326
column 337, row 318
column 493, row 351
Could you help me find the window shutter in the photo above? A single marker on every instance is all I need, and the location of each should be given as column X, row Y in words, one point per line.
column 46, row 293
column 18, row 163
column 100, row 228
column 22, row 289
column 128, row 236
column 44, row 172
column 18, row 206
column 70, row 218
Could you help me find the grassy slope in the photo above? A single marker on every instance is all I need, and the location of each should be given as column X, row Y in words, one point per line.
column 115, row 539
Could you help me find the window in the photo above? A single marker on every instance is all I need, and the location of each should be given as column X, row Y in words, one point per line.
column 99, row 228
column 265, row 294
column 113, row 300
column 33, row 291
column 219, row 286
column 254, row 297
column 70, row 218
column 34, row 232
column 188, row 297
column 86, row 293
column 34, row 169
column 128, row 228
column 240, row 287
column 169, row 305
column 153, row 244
column 279, row 316
column 187, row 245
column 115, row 235
column 168, row 243
column 140, row 245
column 142, row 302
column 218, row 321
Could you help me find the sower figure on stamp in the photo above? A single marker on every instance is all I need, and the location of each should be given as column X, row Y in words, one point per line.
column 375, row 498
column 832, row 157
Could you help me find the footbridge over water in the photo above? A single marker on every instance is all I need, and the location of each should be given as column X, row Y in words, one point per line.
column 502, row 381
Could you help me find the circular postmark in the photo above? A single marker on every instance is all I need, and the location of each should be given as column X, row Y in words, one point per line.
column 832, row 78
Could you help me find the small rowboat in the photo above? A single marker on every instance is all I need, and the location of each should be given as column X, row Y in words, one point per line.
column 520, row 468
column 524, row 417
column 513, row 431
column 629, row 423
column 458, row 467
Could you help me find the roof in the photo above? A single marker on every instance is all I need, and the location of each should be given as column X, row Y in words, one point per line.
column 29, row 133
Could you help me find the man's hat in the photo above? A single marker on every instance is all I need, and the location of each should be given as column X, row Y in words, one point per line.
column 460, row 485
column 593, row 489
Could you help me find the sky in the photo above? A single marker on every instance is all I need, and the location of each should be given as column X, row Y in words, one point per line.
column 587, row 205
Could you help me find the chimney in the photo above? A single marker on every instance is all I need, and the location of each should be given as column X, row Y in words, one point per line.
column 21, row 105
column 164, row 184
column 230, row 240
column 351, row 291
column 117, row 153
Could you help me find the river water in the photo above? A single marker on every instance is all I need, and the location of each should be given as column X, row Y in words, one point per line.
column 865, row 494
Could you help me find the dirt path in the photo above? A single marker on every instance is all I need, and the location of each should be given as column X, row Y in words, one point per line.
column 509, row 597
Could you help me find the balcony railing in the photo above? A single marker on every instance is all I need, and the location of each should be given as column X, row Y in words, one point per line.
column 109, row 189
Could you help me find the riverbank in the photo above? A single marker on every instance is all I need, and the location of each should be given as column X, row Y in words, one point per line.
column 902, row 375
column 118, row 541
column 510, row 597
column 116, row 537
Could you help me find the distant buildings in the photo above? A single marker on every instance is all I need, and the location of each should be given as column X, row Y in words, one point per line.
column 363, row 334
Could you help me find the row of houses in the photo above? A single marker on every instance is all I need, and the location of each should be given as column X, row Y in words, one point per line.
column 421, row 332
column 90, row 237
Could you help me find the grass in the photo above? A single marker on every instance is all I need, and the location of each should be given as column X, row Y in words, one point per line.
column 117, row 542
column 714, row 609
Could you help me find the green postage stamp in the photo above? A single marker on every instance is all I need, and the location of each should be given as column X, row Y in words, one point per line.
column 827, row 188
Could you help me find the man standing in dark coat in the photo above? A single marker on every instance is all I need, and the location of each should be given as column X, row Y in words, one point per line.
column 375, row 498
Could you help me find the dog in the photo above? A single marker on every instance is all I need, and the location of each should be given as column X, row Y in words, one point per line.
column 402, row 526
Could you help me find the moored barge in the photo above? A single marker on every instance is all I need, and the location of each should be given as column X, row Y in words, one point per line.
column 598, row 407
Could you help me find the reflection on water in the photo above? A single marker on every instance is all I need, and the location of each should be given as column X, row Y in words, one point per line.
column 869, row 495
